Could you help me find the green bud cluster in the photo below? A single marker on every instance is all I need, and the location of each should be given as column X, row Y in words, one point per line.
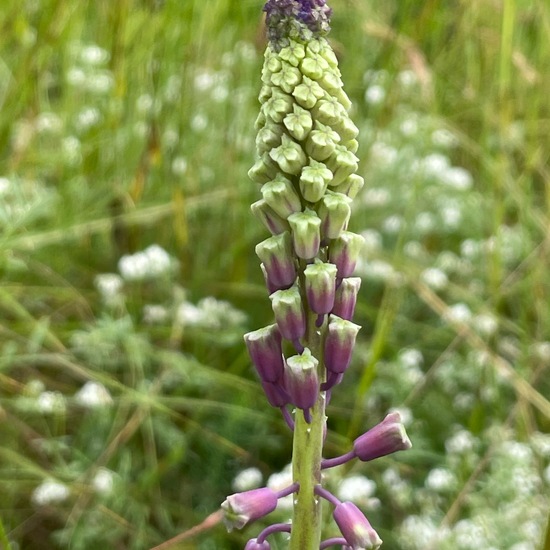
column 306, row 149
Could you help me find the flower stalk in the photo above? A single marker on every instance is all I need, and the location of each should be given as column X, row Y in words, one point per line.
column 306, row 173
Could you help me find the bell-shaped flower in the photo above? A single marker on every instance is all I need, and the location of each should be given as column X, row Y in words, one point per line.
column 346, row 297
column 279, row 193
column 289, row 156
column 277, row 256
column 253, row 544
column 306, row 233
column 274, row 223
column 320, row 284
column 302, row 380
column 355, row 527
column 264, row 347
column 264, row 169
column 345, row 252
column 334, row 211
column 242, row 508
column 339, row 344
column 289, row 313
column 389, row 436
column 276, row 394
column 314, row 180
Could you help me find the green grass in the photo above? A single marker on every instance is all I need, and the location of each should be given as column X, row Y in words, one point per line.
column 148, row 140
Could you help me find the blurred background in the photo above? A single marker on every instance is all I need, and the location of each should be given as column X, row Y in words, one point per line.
column 128, row 406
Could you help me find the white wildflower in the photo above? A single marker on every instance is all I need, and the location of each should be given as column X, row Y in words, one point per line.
column 50, row 492
column 154, row 313
column 382, row 154
column 103, row 481
column 375, row 94
column 49, row 402
column 485, row 323
column 376, row 196
column 440, row 480
column 435, row 278
column 179, row 166
column 279, row 481
column 462, row 442
column 393, row 224
column 373, row 240
column 93, row 55
column 458, row 313
column 93, row 395
column 199, row 122
column 457, row 178
column 356, row 488
column 109, row 286
column 152, row 262
column 444, row 138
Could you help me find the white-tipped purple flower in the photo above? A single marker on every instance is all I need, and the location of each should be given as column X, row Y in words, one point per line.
column 346, row 298
column 242, row 508
column 387, row 437
column 289, row 313
column 278, row 259
column 264, row 347
column 280, row 194
column 320, row 279
column 274, row 223
column 302, row 380
column 339, row 344
column 306, row 233
column 345, row 252
column 334, row 211
column 355, row 527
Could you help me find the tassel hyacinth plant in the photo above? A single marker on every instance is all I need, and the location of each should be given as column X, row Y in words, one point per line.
column 307, row 169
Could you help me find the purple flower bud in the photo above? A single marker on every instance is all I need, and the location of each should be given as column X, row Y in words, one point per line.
column 253, row 544
column 276, row 394
column 296, row 19
column 320, row 279
column 345, row 251
column 355, row 527
column 306, row 233
column 389, row 436
column 278, row 259
column 289, row 313
column 270, row 219
column 346, row 298
column 264, row 347
column 334, row 211
column 242, row 508
column 339, row 344
column 280, row 194
column 302, row 380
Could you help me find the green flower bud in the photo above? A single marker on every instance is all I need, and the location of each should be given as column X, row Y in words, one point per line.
column 334, row 212
column 342, row 163
column 321, row 142
column 314, row 180
column 351, row 145
column 268, row 137
column 331, row 82
column 298, row 123
column 308, row 93
column 260, row 121
column 277, row 106
column 265, row 93
column 346, row 128
column 350, row 186
column 328, row 54
column 313, row 66
column 287, row 78
column 272, row 65
column 264, row 169
column 342, row 97
column 274, row 223
column 280, row 194
column 306, row 233
column 289, row 156
column 293, row 53
column 329, row 111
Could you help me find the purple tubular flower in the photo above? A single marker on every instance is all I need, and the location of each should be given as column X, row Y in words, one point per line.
column 339, row 344
column 264, row 347
column 296, row 19
column 320, row 286
column 302, row 380
column 269, row 218
column 355, row 527
column 289, row 313
column 242, row 508
column 277, row 257
column 276, row 394
column 345, row 251
column 387, row 437
column 346, row 298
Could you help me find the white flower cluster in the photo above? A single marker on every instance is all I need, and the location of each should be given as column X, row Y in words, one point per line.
column 150, row 263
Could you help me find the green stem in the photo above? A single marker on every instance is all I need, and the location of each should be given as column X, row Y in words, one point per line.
column 306, row 462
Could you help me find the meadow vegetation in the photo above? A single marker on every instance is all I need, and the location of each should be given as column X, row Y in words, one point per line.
column 128, row 406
